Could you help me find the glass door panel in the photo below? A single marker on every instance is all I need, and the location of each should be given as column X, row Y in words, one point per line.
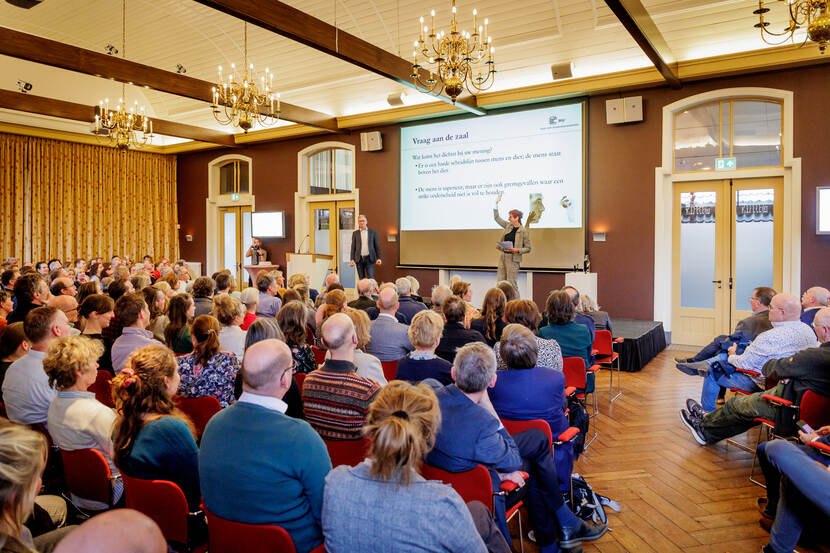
column 235, row 232
column 697, row 249
column 229, row 240
column 345, row 227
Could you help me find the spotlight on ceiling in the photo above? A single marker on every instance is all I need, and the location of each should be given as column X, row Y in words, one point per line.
column 397, row 99
column 23, row 86
column 181, row 69
column 111, row 50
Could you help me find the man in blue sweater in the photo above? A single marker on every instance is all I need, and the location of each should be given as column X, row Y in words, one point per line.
column 259, row 466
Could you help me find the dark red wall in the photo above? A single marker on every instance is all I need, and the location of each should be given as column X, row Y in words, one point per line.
column 621, row 163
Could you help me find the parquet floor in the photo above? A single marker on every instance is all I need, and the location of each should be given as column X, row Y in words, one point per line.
column 675, row 495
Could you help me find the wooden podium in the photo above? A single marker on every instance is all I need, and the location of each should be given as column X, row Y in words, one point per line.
column 313, row 265
column 253, row 270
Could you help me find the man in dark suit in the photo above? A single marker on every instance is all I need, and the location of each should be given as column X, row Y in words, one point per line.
column 365, row 249
column 389, row 338
column 471, row 434
column 364, row 300
column 749, row 327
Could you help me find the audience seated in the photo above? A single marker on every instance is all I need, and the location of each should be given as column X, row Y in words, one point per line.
column 525, row 391
column 812, row 300
column 414, row 288
column 364, row 295
column 269, row 329
column 589, row 307
column 439, row 295
column 336, row 398
column 472, row 434
column 208, row 371
column 425, row 334
column 787, row 336
column 250, row 299
column 268, row 305
column 368, row 366
column 525, row 313
column 510, row 292
column 579, row 317
column 491, row 323
column 389, row 340
column 292, row 320
column 152, row 439
column 6, row 307
column 26, row 390
column 13, row 345
column 118, row 531
column 386, row 494
column 464, row 291
column 132, row 311
column 455, row 334
column 30, row 292
column 203, row 288
column 157, row 304
column 177, row 334
column 407, row 305
column 69, row 306
column 333, row 302
column 95, row 313
column 230, row 313
column 259, row 466
column 748, row 329
column 115, row 290
column 807, row 369
column 574, row 338
column 77, row 420
column 87, row 289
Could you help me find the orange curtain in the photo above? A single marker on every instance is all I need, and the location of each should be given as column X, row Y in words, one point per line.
column 88, row 201
column 12, row 193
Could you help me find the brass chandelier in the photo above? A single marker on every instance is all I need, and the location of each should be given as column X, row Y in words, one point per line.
column 239, row 101
column 124, row 128
column 456, row 60
column 810, row 13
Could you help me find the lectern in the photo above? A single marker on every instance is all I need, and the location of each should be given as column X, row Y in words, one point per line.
column 314, row 265
column 253, row 270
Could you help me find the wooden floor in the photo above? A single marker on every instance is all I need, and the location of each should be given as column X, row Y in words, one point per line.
column 675, row 494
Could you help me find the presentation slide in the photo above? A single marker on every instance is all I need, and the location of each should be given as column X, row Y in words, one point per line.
column 452, row 172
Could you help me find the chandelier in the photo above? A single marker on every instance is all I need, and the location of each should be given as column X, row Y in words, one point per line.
column 239, row 101
column 812, row 13
column 455, row 60
column 124, row 128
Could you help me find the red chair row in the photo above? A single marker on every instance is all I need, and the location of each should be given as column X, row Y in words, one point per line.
column 607, row 358
column 576, row 376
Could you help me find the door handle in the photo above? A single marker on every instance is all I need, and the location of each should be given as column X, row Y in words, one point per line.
column 718, row 282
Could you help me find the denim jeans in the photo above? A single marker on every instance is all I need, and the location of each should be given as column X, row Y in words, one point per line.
column 712, row 384
column 737, row 416
column 803, row 480
column 712, row 349
column 772, row 476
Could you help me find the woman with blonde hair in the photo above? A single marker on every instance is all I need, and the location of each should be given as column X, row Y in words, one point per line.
column 76, row 420
column 152, row 438
column 230, row 313
column 334, row 302
column 491, row 323
column 208, row 371
column 425, row 332
column 386, row 489
column 165, row 288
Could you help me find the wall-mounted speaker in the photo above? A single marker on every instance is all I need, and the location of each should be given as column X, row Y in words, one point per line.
column 562, row 70
column 370, row 141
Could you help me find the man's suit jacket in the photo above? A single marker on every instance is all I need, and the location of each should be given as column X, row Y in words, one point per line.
column 374, row 246
column 389, row 339
column 363, row 303
column 809, row 315
column 754, row 325
column 408, row 307
column 522, row 241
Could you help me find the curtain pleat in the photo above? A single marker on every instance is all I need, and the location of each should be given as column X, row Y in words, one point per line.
column 85, row 201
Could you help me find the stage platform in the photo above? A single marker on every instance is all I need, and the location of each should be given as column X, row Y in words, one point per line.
column 643, row 340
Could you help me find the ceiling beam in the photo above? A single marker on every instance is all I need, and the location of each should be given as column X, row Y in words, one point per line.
column 65, row 56
column 80, row 112
column 299, row 26
column 642, row 29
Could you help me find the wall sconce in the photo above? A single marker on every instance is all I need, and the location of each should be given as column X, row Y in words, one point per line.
column 391, row 237
column 599, row 236
column 188, row 237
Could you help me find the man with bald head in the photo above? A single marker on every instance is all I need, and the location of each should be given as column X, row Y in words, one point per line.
column 389, row 339
column 335, row 398
column 63, row 286
column 116, row 531
column 787, row 336
column 812, row 300
column 69, row 305
column 797, row 372
column 256, row 464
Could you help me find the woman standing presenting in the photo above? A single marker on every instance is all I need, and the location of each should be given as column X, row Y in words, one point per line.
column 511, row 258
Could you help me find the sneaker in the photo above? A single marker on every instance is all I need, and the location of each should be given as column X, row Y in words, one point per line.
column 681, row 359
column 763, row 503
column 693, row 425
column 586, row 531
column 700, row 368
column 531, row 535
column 695, row 409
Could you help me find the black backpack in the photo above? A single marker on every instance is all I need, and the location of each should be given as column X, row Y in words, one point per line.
column 587, row 504
column 578, row 417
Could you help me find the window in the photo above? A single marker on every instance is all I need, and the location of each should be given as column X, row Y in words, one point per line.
column 233, row 178
column 748, row 130
column 330, row 172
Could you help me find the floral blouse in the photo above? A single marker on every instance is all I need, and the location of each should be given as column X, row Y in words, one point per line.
column 304, row 357
column 214, row 379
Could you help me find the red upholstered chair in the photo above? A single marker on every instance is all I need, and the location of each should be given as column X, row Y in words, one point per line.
column 3, row 410
column 164, row 502
column 576, row 376
column 300, row 378
column 824, row 448
column 609, row 359
column 227, row 536
column 319, row 355
column 348, row 452
column 199, row 409
column 390, row 370
column 88, row 475
column 101, row 388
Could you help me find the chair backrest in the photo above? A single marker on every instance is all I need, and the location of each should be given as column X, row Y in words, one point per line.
column 390, row 369
column 87, row 474
column 603, row 342
column 574, row 370
column 514, row 427
column 814, row 409
column 101, row 388
column 3, row 410
column 348, row 452
column 471, row 485
column 161, row 500
column 300, row 378
column 227, row 536
column 199, row 409
column 319, row 355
